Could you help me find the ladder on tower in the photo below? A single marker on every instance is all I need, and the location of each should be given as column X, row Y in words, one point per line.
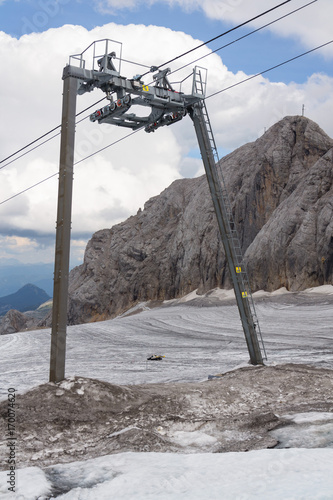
column 226, row 223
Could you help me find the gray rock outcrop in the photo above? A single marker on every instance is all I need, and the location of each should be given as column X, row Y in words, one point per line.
column 281, row 193
column 13, row 321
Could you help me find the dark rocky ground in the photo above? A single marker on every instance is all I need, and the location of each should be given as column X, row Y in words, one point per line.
column 82, row 418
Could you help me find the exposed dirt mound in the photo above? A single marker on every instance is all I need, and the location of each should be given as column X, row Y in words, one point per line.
column 85, row 418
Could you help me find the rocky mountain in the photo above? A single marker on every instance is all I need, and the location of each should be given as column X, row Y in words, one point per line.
column 12, row 322
column 281, row 193
column 27, row 298
column 15, row 321
column 14, row 275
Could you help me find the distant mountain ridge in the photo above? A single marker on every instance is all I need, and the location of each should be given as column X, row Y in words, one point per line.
column 27, row 298
column 281, row 194
column 15, row 274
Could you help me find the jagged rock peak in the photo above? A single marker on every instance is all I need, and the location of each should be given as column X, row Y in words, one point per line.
column 280, row 188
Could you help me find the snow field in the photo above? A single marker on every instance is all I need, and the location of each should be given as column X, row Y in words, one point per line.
column 197, row 341
column 292, row 474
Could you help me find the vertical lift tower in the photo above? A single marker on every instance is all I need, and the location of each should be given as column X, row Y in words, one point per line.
column 166, row 106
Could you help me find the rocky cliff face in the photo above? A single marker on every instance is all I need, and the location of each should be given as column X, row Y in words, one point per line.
column 281, row 192
column 12, row 322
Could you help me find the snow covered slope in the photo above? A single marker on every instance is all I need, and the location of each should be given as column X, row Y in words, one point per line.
column 199, row 337
column 129, row 407
column 293, row 474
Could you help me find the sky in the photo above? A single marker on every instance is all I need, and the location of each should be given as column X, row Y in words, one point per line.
column 36, row 40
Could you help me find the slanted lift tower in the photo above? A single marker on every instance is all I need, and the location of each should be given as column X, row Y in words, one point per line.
column 167, row 106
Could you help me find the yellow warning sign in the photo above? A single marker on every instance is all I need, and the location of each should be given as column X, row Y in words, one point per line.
column 238, row 270
column 244, row 295
column 145, row 88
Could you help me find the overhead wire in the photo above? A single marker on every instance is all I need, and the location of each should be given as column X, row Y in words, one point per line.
column 208, row 97
column 269, row 69
column 55, row 128
column 28, row 188
column 42, row 136
column 164, row 64
column 132, row 62
column 49, row 139
column 244, row 36
column 215, row 93
column 76, row 163
column 27, row 145
column 29, row 150
column 219, row 36
column 109, row 145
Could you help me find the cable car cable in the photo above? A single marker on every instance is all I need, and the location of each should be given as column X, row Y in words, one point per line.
column 44, row 135
column 76, row 163
column 244, row 36
column 269, row 69
column 208, row 97
column 171, row 60
column 219, row 36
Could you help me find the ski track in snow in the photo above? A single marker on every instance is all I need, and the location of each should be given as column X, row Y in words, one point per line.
column 196, row 341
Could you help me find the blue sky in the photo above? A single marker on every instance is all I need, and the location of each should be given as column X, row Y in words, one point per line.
column 36, row 38
column 251, row 55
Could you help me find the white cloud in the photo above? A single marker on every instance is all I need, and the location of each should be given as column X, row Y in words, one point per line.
column 117, row 182
column 311, row 26
column 296, row 26
column 16, row 246
column 112, row 6
column 112, row 185
column 18, row 243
